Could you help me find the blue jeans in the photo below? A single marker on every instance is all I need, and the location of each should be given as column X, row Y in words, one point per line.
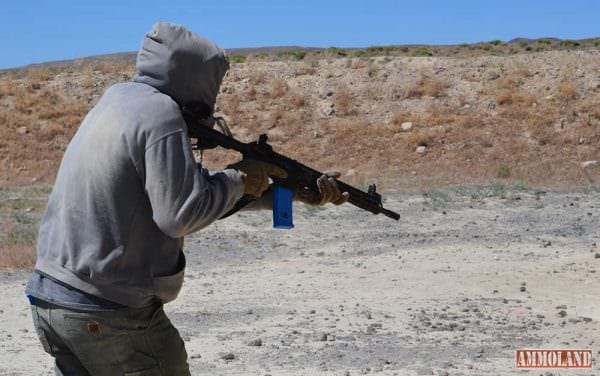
column 140, row 342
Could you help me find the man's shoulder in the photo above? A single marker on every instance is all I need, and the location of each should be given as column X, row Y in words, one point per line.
column 143, row 105
column 138, row 93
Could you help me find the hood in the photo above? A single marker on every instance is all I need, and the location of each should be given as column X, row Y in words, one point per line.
column 181, row 64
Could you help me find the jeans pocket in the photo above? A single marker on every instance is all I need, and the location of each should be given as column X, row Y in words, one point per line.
column 166, row 344
column 39, row 330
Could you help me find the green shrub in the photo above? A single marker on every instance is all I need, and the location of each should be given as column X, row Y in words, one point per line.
column 238, row 59
column 296, row 55
column 422, row 51
column 569, row 43
column 260, row 56
column 503, row 172
column 359, row 53
column 337, row 51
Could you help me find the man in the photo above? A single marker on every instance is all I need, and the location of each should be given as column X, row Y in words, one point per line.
column 128, row 190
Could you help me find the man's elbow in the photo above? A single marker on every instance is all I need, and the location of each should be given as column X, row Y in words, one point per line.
column 171, row 226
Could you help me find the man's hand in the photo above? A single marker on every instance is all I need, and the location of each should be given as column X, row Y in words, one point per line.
column 256, row 175
column 328, row 192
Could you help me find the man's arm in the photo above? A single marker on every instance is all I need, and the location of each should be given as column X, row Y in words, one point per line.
column 185, row 198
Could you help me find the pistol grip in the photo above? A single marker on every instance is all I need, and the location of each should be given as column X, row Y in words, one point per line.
column 282, row 207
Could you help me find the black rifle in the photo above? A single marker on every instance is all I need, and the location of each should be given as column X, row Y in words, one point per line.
column 300, row 177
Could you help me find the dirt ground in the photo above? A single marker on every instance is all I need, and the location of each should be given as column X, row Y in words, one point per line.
column 466, row 277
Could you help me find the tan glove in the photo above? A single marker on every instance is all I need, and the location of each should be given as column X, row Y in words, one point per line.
column 256, row 175
column 328, row 192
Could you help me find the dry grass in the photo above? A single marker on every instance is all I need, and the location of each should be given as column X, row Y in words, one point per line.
column 509, row 122
column 278, row 89
column 567, row 91
column 297, row 100
column 344, row 103
column 427, row 87
column 510, row 96
column 17, row 257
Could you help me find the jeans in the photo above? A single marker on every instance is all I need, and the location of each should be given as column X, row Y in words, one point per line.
column 130, row 341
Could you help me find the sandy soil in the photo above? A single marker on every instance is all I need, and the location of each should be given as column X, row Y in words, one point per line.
column 454, row 288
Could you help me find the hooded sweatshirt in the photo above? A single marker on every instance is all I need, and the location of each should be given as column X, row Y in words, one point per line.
column 128, row 188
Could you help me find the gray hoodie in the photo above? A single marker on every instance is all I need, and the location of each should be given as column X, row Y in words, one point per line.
column 128, row 188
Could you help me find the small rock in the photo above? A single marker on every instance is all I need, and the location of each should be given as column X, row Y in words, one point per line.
column 22, row 130
column 228, row 356
column 256, row 342
column 589, row 164
column 406, row 126
column 421, row 149
column 562, row 313
column 351, row 172
column 523, row 289
column 562, row 306
column 597, row 255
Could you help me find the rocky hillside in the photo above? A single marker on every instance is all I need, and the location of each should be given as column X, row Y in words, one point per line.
column 525, row 117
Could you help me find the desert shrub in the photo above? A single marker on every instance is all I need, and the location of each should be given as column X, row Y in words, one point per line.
column 420, row 137
column 426, row 86
column 357, row 63
column 503, row 172
column 337, row 51
column 304, row 69
column 467, row 121
column 567, row 91
column 569, row 43
column 258, row 77
column 359, row 53
column 297, row 100
column 295, row 55
column 278, row 89
column 372, row 69
column 343, row 103
column 422, row 51
column 400, row 117
column 377, row 50
column 508, row 97
column 238, row 59
column 497, row 42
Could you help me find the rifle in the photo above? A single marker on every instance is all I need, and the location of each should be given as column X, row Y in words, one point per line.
column 299, row 175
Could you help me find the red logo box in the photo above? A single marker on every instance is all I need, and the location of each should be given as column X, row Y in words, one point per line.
column 554, row 358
